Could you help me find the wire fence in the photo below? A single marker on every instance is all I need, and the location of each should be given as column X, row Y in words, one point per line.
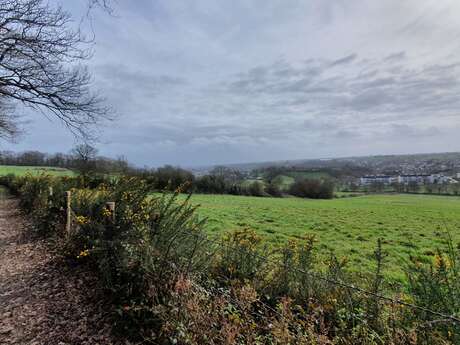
column 318, row 276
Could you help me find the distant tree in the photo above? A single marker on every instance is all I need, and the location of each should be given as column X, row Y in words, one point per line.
column 230, row 175
column 444, row 188
column 33, row 158
column 213, row 184
column 256, row 188
column 312, row 188
column 271, row 173
column 40, row 67
column 429, row 188
column 413, row 187
column 122, row 164
column 169, row 177
column 353, row 187
column 273, row 189
column 456, row 188
column 377, row 187
column 397, row 187
column 84, row 156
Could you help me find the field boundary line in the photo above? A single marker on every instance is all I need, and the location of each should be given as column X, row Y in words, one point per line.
column 318, row 276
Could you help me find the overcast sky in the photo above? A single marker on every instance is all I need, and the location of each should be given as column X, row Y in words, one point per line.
column 211, row 82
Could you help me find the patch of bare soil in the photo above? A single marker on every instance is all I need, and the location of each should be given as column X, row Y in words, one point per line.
column 44, row 301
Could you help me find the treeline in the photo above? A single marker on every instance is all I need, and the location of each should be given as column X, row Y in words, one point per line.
column 224, row 180
column 220, row 180
column 82, row 157
column 343, row 171
column 313, row 189
column 172, row 284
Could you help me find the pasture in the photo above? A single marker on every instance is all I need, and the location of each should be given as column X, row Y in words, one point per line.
column 34, row 170
column 409, row 225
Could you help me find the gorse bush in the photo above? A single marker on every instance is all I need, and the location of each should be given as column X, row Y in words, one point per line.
column 170, row 283
column 436, row 286
column 240, row 257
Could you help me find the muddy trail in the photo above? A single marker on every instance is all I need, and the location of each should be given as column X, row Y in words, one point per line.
column 44, row 300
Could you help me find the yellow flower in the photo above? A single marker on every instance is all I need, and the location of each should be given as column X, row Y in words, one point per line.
column 106, row 212
column 83, row 253
column 82, row 220
column 441, row 262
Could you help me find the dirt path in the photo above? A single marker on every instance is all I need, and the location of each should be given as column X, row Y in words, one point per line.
column 42, row 300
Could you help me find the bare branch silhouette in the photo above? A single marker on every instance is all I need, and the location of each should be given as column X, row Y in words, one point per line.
column 41, row 65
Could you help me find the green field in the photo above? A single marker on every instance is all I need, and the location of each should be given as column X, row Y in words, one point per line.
column 287, row 179
column 34, row 170
column 408, row 224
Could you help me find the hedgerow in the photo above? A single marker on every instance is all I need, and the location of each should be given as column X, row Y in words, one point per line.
column 171, row 283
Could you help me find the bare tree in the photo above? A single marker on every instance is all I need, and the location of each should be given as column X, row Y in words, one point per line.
column 9, row 128
column 84, row 156
column 41, row 66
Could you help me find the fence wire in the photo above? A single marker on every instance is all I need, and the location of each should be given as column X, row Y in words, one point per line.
column 316, row 275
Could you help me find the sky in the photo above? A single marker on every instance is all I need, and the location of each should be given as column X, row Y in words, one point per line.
column 203, row 82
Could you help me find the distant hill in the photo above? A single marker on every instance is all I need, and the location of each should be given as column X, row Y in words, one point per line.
column 447, row 162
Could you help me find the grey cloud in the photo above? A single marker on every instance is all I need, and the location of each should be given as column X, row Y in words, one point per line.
column 345, row 60
column 396, row 57
column 347, row 134
column 411, row 131
column 209, row 81
column 382, row 89
column 122, row 75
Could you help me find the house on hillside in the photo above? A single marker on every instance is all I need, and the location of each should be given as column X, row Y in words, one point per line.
column 372, row 179
column 415, row 178
column 407, row 179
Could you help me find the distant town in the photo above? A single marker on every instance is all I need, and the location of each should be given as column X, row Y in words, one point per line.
column 420, row 179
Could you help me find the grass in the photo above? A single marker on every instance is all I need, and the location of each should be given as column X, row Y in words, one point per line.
column 34, row 170
column 409, row 225
column 286, row 180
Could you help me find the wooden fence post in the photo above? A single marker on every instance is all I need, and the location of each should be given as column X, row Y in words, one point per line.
column 69, row 212
column 50, row 195
column 111, row 207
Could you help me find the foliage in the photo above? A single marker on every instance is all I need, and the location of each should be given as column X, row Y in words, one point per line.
column 241, row 257
column 172, row 284
column 273, row 189
column 409, row 225
column 436, row 286
column 312, row 188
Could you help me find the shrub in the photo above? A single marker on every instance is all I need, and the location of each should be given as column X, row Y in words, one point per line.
column 172, row 284
column 211, row 184
column 312, row 188
column 256, row 188
column 436, row 286
column 274, row 190
column 240, row 256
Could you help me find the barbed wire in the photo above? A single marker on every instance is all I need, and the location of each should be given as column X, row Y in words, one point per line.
column 318, row 276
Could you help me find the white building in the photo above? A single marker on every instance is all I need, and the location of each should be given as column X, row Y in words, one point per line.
column 370, row 179
column 415, row 178
column 406, row 179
